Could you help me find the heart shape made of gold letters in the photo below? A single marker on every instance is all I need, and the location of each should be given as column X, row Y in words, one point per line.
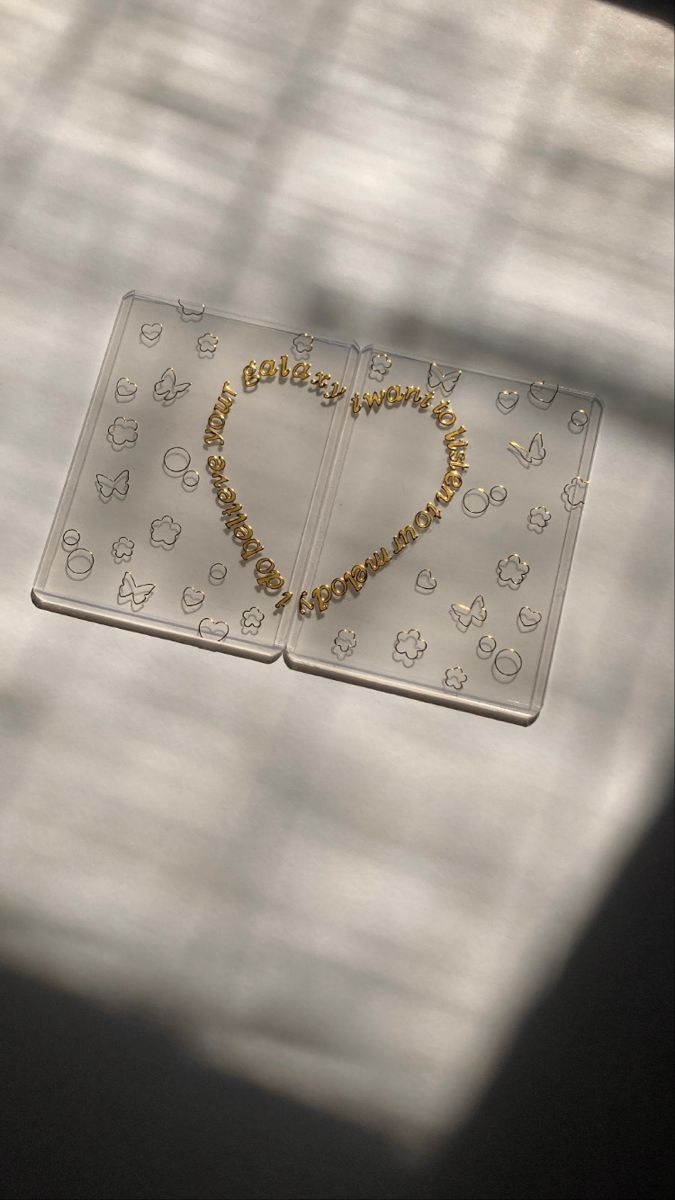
column 268, row 575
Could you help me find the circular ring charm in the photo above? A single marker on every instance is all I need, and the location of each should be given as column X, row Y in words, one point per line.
column 176, row 460
column 507, row 664
column 578, row 421
column 487, row 645
column 190, row 480
column 217, row 573
column 475, row 502
column 70, row 539
column 79, row 563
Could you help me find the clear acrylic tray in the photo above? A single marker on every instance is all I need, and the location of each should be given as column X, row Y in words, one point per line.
column 397, row 523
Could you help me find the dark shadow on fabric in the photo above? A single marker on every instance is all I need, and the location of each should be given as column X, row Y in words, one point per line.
column 101, row 1105
column 96, row 1105
column 660, row 10
column 583, row 1105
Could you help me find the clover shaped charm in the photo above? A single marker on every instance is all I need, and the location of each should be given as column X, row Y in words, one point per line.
column 344, row 644
column 251, row 620
column 409, row 646
column 538, row 518
column 207, row 344
column 455, row 678
column 512, row 570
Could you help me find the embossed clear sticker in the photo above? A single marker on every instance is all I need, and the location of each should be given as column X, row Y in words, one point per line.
column 385, row 520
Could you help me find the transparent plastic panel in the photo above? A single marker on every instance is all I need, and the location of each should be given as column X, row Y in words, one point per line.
column 466, row 610
column 403, row 524
column 139, row 539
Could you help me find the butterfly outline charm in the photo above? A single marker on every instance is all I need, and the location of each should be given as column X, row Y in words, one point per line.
column 467, row 615
column 136, row 593
column 533, row 456
column 167, row 389
column 446, row 378
column 119, row 486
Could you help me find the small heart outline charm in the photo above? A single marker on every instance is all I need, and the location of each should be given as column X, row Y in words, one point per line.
column 425, row 582
column 542, row 394
column 151, row 332
column 213, row 631
column 192, row 598
column 507, row 400
column 125, row 389
column 528, row 619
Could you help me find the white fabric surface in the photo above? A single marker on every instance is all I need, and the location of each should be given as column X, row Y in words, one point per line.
column 344, row 896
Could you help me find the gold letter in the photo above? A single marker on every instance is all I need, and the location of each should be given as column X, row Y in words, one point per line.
column 322, row 596
column 357, row 576
column 268, row 368
column 356, row 403
column 226, row 495
column 268, row 575
column 373, row 399
column 422, row 520
column 265, row 566
column 338, row 587
column 448, row 438
column 336, row 391
column 320, row 380
column 411, row 393
column 234, row 513
column 453, row 480
column 250, row 374
column 301, row 372
column 379, row 559
column 250, row 548
column 283, row 366
column 393, row 396
column 213, row 439
column 305, row 605
column 242, row 533
column 403, row 537
column 216, row 463
column 445, row 417
column 235, row 518
column 444, row 495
